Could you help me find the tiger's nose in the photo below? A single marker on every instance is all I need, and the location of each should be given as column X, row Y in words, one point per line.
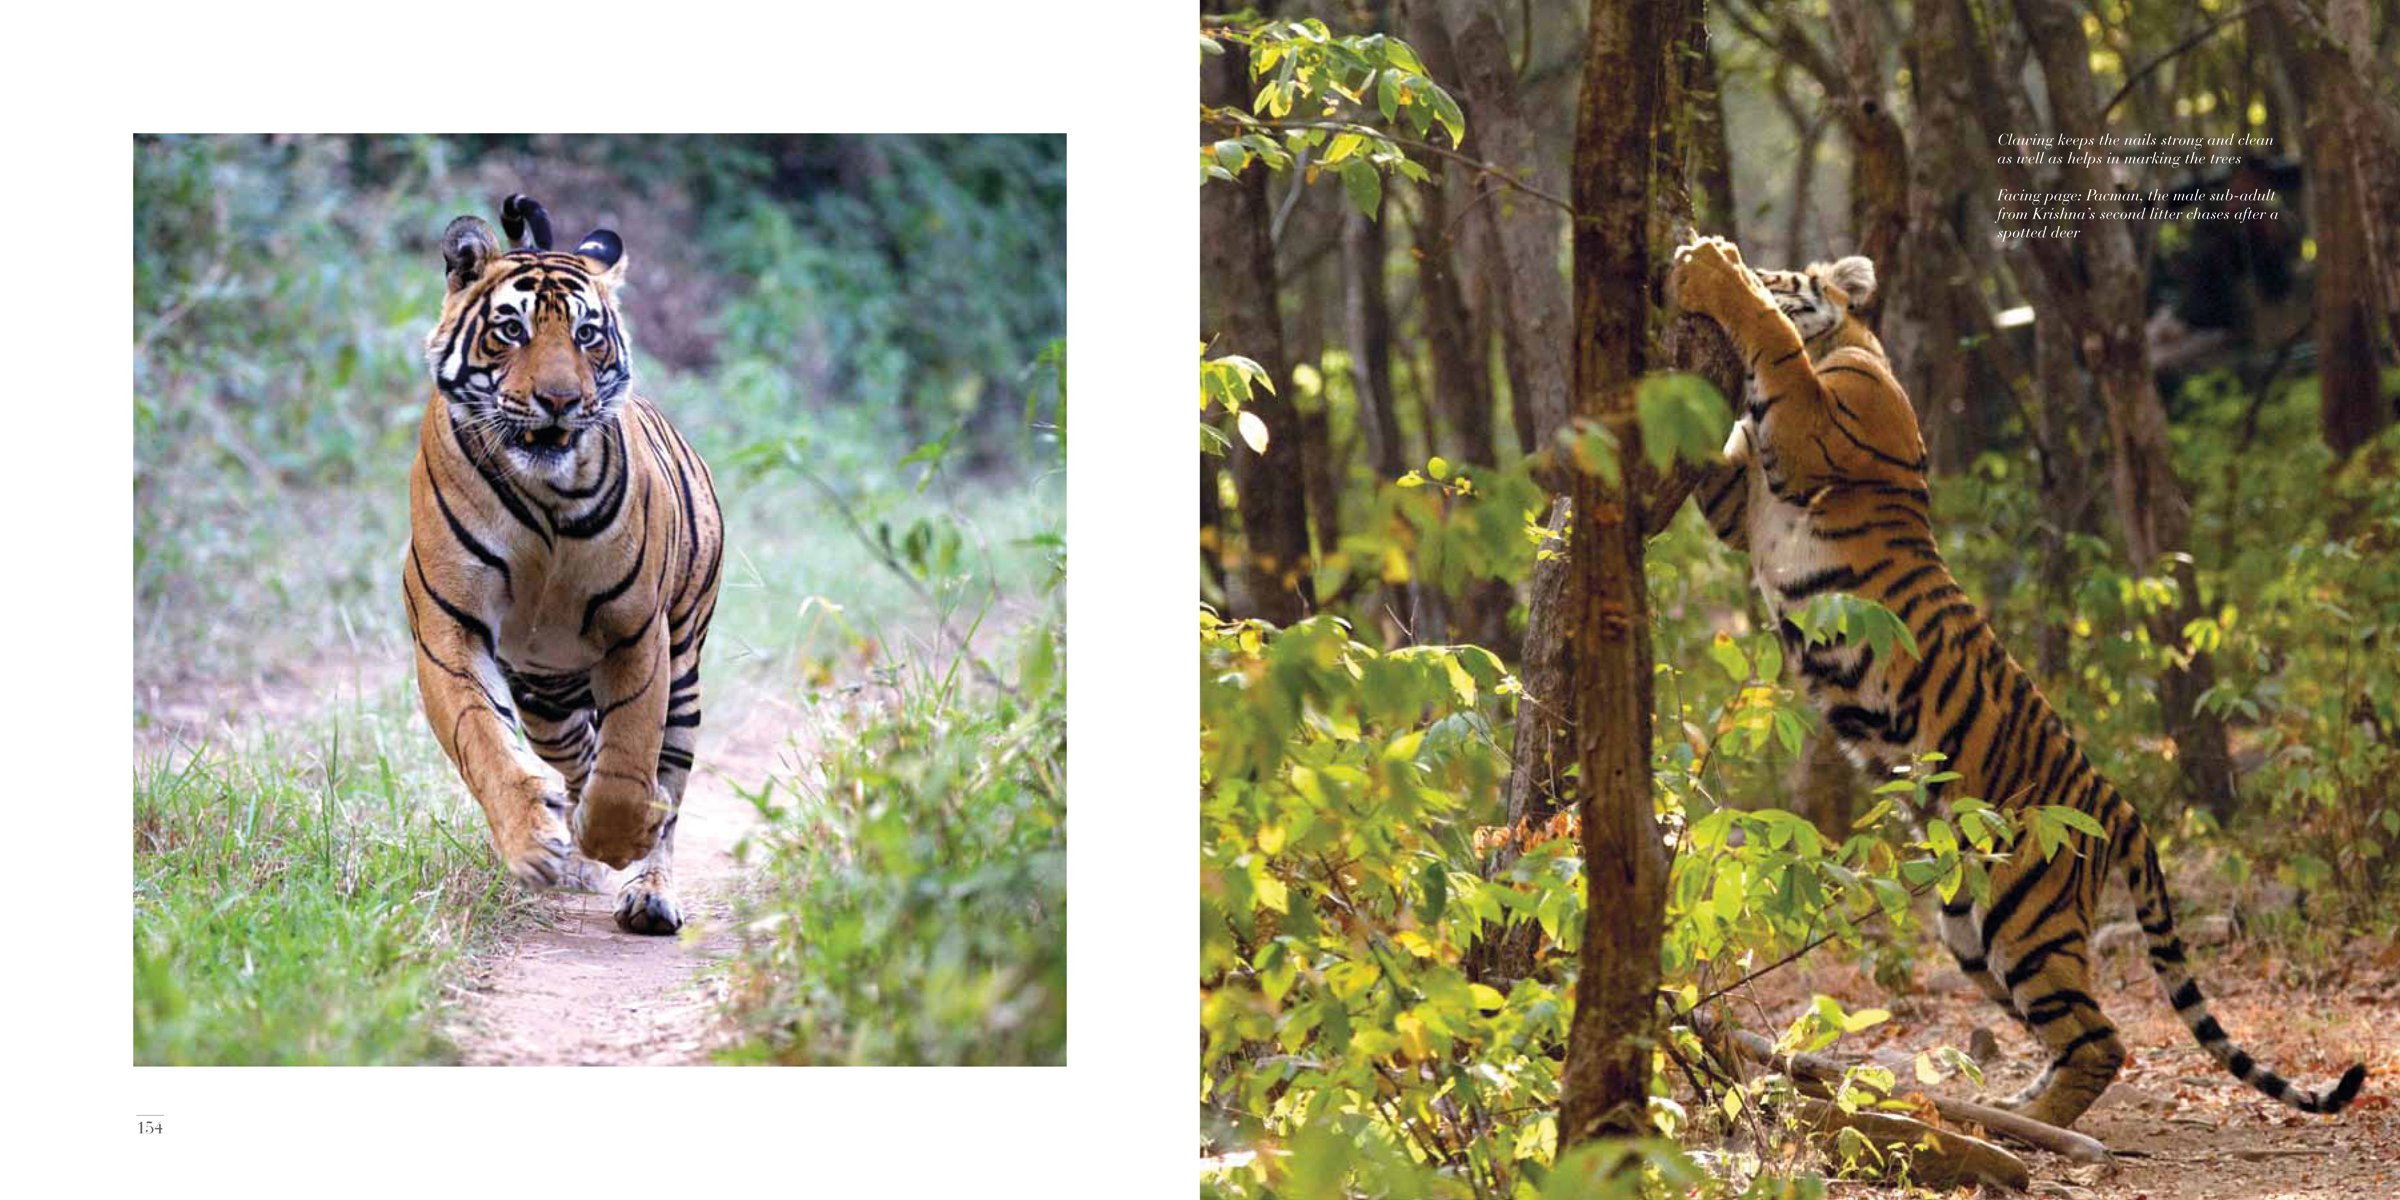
column 559, row 400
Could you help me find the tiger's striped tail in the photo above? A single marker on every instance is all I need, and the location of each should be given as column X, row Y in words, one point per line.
column 2166, row 958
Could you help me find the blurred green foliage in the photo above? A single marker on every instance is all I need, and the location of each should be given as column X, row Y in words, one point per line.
column 870, row 293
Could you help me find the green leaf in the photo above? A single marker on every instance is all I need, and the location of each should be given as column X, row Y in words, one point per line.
column 1682, row 416
column 1728, row 657
column 1365, row 185
column 2076, row 819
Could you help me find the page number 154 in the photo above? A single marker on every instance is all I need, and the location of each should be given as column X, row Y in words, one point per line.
column 150, row 1124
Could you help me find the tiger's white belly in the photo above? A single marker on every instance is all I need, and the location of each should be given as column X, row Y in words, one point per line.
column 1783, row 551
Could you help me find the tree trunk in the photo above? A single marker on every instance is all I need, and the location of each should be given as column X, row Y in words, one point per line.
column 2337, row 52
column 1238, row 313
column 2102, row 297
column 1367, row 327
column 2062, row 414
column 2352, row 408
column 1535, row 327
column 1457, row 345
column 1462, row 387
column 1878, row 149
column 1535, row 331
column 1305, row 344
column 1799, row 227
column 1932, row 303
column 1605, row 1085
column 1714, row 158
column 1212, row 523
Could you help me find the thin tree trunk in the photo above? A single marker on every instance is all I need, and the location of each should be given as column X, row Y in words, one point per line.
column 2062, row 413
column 1462, row 386
column 1605, row 1085
column 1212, row 523
column 1305, row 343
column 1367, row 327
column 1799, row 236
column 1270, row 575
column 1537, row 336
column 2351, row 408
column 1457, row 342
column 1536, row 328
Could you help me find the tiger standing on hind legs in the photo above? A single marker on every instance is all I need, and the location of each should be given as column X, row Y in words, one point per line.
column 1824, row 486
column 564, row 546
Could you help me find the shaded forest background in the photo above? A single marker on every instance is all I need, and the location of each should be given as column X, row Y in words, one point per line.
column 2163, row 461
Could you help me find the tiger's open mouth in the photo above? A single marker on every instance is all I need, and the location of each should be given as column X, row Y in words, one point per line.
column 544, row 441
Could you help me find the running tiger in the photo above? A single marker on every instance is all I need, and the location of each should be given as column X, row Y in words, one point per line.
column 1825, row 488
column 564, row 544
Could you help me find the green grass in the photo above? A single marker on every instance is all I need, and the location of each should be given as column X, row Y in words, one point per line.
column 299, row 899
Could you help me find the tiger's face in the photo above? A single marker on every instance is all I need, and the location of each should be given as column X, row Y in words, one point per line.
column 530, row 353
column 1819, row 299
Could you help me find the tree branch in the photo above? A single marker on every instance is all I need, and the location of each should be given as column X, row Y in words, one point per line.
column 1219, row 118
column 2175, row 51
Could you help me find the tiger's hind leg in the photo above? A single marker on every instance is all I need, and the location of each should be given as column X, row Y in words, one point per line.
column 646, row 902
column 1964, row 939
column 2049, row 983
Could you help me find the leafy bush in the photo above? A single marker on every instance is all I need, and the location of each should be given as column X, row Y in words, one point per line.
column 912, row 898
column 913, row 902
column 1349, row 805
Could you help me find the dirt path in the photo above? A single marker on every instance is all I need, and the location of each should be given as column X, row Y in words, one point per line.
column 2182, row 1127
column 581, row 992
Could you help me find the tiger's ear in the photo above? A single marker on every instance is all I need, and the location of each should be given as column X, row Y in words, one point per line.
column 1855, row 275
column 606, row 252
column 467, row 247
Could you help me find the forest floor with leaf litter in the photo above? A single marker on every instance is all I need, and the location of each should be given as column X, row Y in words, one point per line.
column 2181, row 1127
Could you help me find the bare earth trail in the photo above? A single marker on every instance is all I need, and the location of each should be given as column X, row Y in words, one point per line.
column 2183, row 1128
column 580, row 991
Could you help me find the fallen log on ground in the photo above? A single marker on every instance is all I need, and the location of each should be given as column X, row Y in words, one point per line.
column 1930, row 1157
column 1830, row 1072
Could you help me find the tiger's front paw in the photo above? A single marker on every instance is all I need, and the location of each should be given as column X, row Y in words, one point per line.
column 538, row 848
column 618, row 822
column 1709, row 278
column 646, row 904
